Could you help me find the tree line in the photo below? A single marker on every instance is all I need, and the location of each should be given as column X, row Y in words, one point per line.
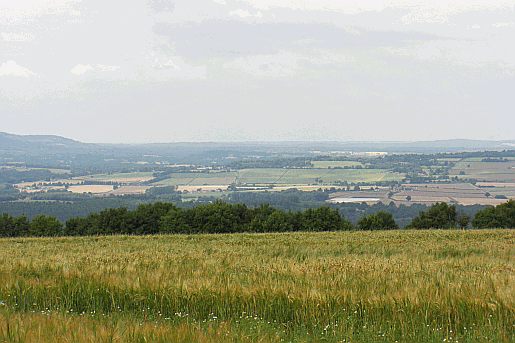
column 221, row 217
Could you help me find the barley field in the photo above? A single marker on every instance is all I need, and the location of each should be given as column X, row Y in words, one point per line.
column 386, row 286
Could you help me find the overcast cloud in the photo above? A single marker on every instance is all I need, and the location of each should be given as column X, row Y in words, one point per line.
column 257, row 70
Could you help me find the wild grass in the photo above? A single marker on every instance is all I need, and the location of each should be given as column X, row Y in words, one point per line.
column 404, row 286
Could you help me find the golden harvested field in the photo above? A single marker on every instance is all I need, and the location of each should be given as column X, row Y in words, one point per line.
column 95, row 189
column 475, row 201
column 130, row 190
column 386, row 286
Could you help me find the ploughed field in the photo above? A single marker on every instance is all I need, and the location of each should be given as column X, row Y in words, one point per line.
column 386, row 286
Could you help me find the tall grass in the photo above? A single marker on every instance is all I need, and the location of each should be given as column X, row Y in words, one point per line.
column 337, row 286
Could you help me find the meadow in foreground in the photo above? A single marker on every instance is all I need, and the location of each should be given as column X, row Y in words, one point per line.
column 386, row 286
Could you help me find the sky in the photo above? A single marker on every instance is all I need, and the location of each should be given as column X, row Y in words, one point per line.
column 257, row 70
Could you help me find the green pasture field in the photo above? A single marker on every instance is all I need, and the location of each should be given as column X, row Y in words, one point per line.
column 214, row 179
column 260, row 175
column 479, row 159
column 361, row 175
column 450, row 159
column 332, row 164
column 177, row 179
column 280, row 177
column 383, row 286
column 115, row 176
column 302, row 176
column 199, row 179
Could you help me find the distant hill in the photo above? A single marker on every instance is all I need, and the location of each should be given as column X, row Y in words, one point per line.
column 57, row 150
column 41, row 143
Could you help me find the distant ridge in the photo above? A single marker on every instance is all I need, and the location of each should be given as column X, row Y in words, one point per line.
column 52, row 144
column 13, row 142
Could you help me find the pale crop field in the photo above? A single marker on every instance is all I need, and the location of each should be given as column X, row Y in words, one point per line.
column 90, row 188
column 386, row 286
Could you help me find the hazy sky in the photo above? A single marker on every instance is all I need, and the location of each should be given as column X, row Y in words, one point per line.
column 257, row 70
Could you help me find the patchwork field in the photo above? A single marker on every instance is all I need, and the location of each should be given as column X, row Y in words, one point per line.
column 485, row 171
column 387, row 286
column 461, row 193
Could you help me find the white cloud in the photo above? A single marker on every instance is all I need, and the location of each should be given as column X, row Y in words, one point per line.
column 104, row 67
column 349, row 7
column 11, row 68
column 221, row 2
column 244, row 14
column 503, row 25
column 280, row 65
column 171, row 65
column 81, row 69
column 17, row 37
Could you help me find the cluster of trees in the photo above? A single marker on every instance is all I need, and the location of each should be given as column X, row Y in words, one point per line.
column 66, row 205
column 147, row 219
column 502, row 215
column 443, row 216
column 8, row 175
column 22, row 227
column 221, row 217
column 378, row 221
column 440, row 216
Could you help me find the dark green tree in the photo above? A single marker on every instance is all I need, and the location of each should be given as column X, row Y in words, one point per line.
column 439, row 216
column 43, row 226
column 500, row 216
column 378, row 221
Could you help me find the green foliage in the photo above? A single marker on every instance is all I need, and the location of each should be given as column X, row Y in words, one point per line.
column 14, row 226
column 43, row 226
column 378, row 221
column 439, row 216
column 15, row 176
column 500, row 216
column 161, row 190
column 221, row 217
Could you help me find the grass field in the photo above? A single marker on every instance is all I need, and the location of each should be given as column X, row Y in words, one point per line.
column 280, row 176
column 260, row 175
column 405, row 286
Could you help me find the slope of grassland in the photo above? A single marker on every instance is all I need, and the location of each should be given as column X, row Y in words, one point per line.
column 406, row 286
